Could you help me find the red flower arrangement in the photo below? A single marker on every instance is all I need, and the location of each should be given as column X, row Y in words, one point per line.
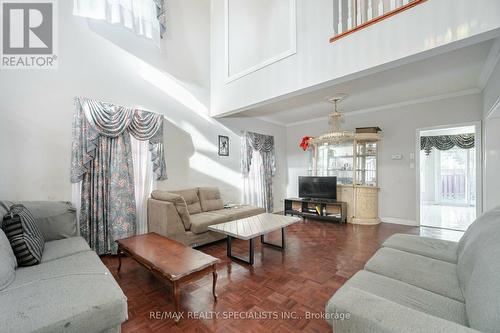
column 304, row 144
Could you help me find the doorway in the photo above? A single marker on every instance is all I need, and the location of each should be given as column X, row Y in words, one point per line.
column 449, row 176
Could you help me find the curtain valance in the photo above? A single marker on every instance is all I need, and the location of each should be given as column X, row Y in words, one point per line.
column 93, row 119
column 446, row 142
column 261, row 143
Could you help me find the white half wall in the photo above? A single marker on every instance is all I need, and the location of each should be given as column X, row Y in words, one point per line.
column 110, row 63
column 397, row 180
column 425, row 30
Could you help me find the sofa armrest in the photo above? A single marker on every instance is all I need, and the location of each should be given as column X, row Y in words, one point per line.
column 163, row 218
column 56, row 219
column 364, row 312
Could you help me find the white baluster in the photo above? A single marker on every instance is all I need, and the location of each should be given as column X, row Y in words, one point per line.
column 358, row 13
column 369, row 11
column 380, row 7
column 393, row 5
column 339, row 27
column 405, row 2
column 349, row 14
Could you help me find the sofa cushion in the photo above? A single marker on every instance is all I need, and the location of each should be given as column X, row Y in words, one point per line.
column 479, row 271
column 56, row 219
column 482, row 294
column 24, row 235
column 404, row 294
column 434, row 275
column 8, row 262
column 471, row 245
column 164, row 196
column 179, row 203
column 81, row 263
column 191, row 198
column 73, row 294
column 425, row 246
column 64, row 247
column 239, row 212
column 369, row 313
column 200, row 222
column 210, row 198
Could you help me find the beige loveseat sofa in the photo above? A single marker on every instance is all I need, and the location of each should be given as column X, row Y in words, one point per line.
column 185, row 215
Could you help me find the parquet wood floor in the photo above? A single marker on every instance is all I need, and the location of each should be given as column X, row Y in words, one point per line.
column 318, row 259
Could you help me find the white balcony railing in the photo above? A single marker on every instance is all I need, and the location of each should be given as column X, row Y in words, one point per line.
column 354, row 15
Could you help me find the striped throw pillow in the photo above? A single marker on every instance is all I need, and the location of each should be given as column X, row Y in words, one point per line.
column 25, row 238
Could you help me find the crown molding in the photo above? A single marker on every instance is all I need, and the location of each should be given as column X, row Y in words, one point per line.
column 490, row 64
column 427, row 99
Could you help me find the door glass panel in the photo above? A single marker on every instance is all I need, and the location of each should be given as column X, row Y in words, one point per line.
column 448, row 183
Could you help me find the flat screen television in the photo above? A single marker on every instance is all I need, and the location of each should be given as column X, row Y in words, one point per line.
column 318, row 187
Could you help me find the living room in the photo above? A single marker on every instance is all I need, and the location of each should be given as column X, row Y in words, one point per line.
column 147, row 144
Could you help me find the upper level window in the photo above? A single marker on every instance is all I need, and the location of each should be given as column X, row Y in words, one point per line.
column 144, row 17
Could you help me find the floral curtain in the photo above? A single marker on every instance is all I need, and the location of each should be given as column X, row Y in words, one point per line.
column 102, row 161
column 108, row 210
column 446, row 142
column 264, row 145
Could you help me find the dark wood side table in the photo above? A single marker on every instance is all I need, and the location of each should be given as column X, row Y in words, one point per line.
column 169, row 260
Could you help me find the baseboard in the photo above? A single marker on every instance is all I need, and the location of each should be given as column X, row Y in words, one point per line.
column 396, row 220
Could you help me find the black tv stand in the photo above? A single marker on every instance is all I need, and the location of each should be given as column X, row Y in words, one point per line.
column 317, row 209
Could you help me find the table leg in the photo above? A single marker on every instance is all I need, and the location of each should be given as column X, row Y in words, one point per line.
column 250, row 252
column 280, row 247
column 228, row 247
column 177, row 296
column 214, row 283
column 119, row 253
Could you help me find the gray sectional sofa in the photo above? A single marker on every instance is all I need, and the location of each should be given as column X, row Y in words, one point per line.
column 70, row 290
column 419, row 284
column 185, row 215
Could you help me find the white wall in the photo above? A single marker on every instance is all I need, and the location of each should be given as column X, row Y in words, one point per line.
column 256, row 20
column 491, row 93
column 491, row 112
column 393, row 41
column 397, row 181
column 112, row 64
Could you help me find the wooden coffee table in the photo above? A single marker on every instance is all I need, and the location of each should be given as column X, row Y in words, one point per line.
column 170, row 260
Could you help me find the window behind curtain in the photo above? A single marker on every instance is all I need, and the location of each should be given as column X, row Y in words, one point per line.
column 253, row 184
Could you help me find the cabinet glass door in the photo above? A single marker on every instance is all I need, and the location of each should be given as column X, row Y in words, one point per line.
column 366, row 163
column 336, row 160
